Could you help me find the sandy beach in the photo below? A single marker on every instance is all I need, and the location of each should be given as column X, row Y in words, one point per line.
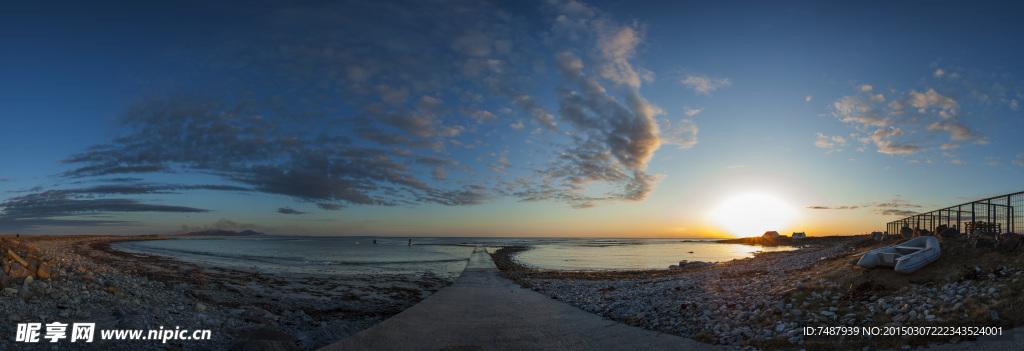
column 84, row 280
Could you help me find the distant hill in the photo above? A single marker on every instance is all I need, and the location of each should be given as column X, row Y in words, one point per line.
column 222, row 232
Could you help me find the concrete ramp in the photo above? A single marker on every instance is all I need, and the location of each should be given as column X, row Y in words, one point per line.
column 484, row 311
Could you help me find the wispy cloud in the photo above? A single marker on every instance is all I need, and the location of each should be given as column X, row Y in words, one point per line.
column 833, row 208
column 830, row 142
column 704, row 84
column 289, row 211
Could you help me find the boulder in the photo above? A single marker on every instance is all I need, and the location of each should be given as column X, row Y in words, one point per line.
column 19, row 271
column 44, row 271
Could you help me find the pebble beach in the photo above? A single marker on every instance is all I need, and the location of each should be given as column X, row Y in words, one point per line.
column 767, row 301
column 70, row 279
column 763, row 302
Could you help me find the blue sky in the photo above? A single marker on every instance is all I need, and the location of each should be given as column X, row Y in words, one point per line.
column 532, row 118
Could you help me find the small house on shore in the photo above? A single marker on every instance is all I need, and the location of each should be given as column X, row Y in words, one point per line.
column 800, row 235
column 771, row 235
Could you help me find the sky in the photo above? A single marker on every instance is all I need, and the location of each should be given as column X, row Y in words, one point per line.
column 503, row 118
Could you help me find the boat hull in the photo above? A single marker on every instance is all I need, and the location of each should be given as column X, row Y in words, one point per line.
column 906, row 257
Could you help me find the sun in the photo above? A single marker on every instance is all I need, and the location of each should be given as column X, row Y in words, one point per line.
column 753, row 214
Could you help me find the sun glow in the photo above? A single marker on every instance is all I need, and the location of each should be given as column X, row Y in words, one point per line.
column 753, row 214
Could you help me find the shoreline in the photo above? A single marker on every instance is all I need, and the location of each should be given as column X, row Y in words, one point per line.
column 765, row 302
column 94, row 282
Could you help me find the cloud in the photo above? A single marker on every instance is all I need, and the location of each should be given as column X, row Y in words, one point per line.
column 894, row 207
column 890, row 148
column 683, row 134
column 957, row 131
column 40, row 208
column 703, row 84
column 833, row 208
column 691, row 112
column 289, row 211
column 896, row 203
column 827, row 142
column 931, row 98
column 895, row 212
column 858, row 110
column 920, row 117
column 1018, row 162
column 329, row 206
column 335, row 104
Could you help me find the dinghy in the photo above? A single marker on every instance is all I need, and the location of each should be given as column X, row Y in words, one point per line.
column 905, row 257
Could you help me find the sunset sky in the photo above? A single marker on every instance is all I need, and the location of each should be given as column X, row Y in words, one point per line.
column 515, row 118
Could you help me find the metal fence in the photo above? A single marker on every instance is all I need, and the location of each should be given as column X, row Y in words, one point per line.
column 1000, row 214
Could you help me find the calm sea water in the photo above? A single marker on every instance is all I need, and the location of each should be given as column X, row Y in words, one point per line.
column 442, row 256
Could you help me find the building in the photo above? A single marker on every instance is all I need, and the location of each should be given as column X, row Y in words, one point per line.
column 771, row 235
column 800, row 235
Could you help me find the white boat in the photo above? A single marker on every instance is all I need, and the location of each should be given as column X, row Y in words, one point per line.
column 905, row 257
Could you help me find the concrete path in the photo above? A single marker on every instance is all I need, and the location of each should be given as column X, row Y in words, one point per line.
column 484, row 311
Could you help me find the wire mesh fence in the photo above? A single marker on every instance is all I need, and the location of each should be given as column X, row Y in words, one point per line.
column 997, row 215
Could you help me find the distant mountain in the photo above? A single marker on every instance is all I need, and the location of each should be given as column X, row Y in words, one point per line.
column 222, row 232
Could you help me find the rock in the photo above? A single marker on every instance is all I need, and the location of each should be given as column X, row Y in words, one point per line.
column 994, row 314
column 10, row 291
column 14, row 257
column 827, row 313
column 43, row 272
column 200, row 308
column 14, row 317
column 19, row 271
column 25, row 292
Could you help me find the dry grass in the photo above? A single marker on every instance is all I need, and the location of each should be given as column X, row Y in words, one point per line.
column 957, row 264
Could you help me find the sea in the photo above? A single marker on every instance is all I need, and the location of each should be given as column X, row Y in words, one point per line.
column 445, row 257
